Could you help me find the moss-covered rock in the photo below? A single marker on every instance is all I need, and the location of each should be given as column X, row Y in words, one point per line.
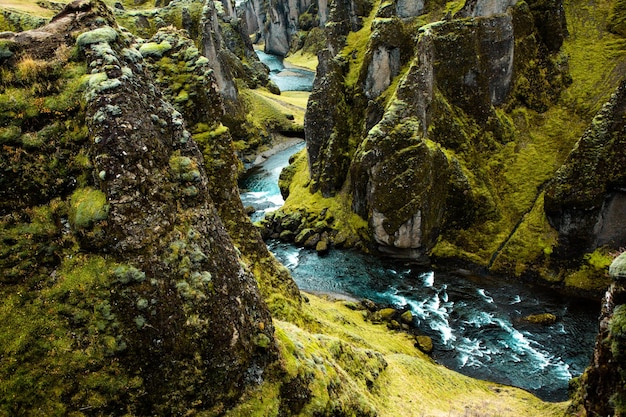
column 584, row 200
column 127, row 273
column 543, row 318
column 601, row 387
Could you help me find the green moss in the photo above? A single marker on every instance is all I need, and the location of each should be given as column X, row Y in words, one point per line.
column 184, row 168
column 104, row 34
column 338, row 364
column 126, row 274
column 593, row 274
column 356, row 47
column 596, row 57
column 9, row 134
column 617, row 332
column 530, row 246
column 59, row 342
column 338, row 207
column 155, row 50
column 88, row 206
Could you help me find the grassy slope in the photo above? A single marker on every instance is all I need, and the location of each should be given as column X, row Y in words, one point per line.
column 303, row 60
column 597, row 61
column 412, row 384
column 27, row 6
column 288, row 102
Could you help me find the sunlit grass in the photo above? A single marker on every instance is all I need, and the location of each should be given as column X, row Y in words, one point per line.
column 32, row 7
column 413, row 384
column 272, row 106
column 302, row 59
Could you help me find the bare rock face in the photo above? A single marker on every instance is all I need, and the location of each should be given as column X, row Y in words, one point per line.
column 185, row 321
column 382, row 70
column 213, row 48
column 409, row 8
column 586, row 200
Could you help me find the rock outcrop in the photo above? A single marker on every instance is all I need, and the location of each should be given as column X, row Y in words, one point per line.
column 402, row 152
column 601, row 390
column 153, row 305
column 586, row 201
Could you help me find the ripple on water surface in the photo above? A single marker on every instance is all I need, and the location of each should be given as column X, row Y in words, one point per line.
column 476, row 322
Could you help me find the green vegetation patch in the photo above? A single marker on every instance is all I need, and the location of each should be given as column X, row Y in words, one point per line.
column 380, row 372
column 597, row 58
column 88, row 206
column 346, row 222
column 593, row 274
column 104, row 34
column 60, row 343
column 356, row 46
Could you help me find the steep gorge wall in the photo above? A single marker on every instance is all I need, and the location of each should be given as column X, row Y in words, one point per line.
column 455, row 80
column 284, row 25
column 445, row 135
column 126, row 289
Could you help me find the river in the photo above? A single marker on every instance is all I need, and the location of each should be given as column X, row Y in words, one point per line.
column 475, row 321
column 287, row 78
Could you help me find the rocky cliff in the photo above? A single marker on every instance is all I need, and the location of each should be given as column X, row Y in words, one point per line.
column 287, row 25
column 444, row 136
column 600, row 390
column 124, row 292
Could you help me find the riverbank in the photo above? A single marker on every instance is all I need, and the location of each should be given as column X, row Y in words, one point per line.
column 411, row 384
column 279, row 144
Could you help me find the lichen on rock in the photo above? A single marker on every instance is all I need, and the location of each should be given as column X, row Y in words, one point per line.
column 173, row 305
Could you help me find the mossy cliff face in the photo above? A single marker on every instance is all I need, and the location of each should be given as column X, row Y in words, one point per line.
column 286, row 25
column 131, row 297
column 410, row 148
column 585, row 201
column 600, row 390
column 187, row 81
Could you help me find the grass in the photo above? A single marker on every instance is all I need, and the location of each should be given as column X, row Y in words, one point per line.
column 32, row 7
column 303, row 60
column 412, row 384
column 288, row 102
column 356, row 46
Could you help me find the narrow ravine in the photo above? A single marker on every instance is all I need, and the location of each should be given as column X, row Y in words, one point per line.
column 476, row 322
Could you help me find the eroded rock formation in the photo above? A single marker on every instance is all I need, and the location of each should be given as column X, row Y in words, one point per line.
column 393, row 148
column 601, row 388
column 141, row 273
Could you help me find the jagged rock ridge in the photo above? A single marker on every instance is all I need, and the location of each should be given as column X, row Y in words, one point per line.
column 177, row 306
